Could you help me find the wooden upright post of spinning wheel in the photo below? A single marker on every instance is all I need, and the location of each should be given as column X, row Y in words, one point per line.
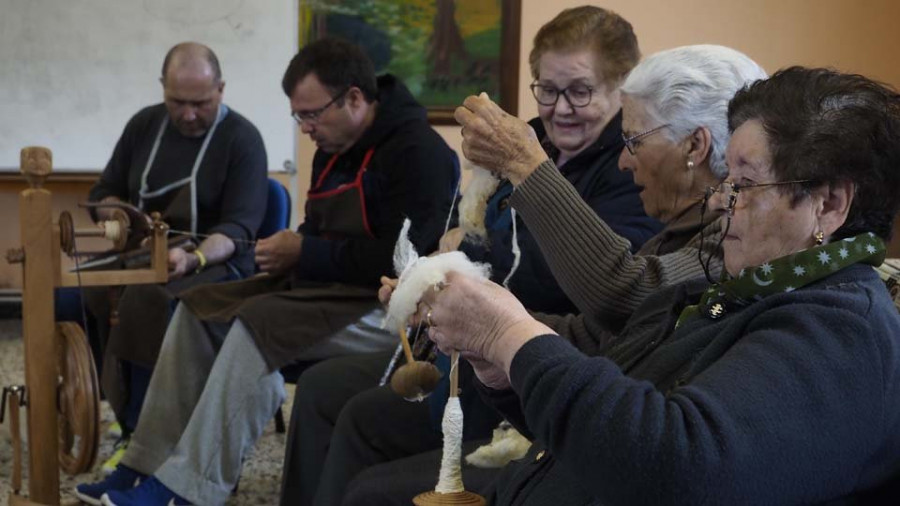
column 60, row 379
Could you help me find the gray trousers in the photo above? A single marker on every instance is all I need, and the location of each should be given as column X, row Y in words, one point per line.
column 208, row 402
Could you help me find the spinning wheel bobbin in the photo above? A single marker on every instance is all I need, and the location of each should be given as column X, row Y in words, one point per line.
column 115, row 229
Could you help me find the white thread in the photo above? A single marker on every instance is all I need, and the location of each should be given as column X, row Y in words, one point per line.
column 390, row 367
column 450, row 480
column 452, row 203
column 517, row 252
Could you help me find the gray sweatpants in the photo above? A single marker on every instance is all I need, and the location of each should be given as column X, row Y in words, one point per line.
column 208, row 402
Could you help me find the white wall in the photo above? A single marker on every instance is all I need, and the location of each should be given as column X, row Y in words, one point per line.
column 72, row 72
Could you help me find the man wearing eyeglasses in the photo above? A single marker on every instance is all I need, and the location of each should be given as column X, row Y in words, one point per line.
column 217, row 380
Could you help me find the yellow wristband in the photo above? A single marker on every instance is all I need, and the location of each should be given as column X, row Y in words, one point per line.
column 200, row 258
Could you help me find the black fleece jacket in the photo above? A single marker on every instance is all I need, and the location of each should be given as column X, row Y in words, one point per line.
column 412, row 174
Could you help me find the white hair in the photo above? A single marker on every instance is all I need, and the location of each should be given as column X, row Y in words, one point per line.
column 689, row 87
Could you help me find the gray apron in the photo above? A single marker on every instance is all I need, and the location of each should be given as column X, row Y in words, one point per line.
column 285, row 315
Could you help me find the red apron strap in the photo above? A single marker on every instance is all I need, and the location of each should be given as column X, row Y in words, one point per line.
column 325, row 172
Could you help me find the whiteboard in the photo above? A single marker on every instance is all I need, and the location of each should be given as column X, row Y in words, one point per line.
column 72, row 72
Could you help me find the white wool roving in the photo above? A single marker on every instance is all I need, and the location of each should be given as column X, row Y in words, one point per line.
column 404, row 252
column 507, row 444
column 450, row 478
column 422, row 274
column 474, row 201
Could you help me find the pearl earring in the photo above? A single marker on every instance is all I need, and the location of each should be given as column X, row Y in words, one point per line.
column 690, row 164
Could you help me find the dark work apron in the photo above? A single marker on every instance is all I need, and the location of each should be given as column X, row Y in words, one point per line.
column 285, row 315
column 144, row 310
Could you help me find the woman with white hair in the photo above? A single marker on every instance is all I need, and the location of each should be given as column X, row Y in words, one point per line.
column 675, row 130
column 674, row 118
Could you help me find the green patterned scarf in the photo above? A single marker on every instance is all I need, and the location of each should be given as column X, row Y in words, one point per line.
column 785, row 274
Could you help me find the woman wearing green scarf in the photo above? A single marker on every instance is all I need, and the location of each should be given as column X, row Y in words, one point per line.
column 779, row 383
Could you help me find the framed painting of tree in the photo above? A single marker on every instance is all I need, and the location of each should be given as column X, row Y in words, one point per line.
column 444, row 50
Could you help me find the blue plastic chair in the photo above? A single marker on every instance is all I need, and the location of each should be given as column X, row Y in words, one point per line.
column 278, row 210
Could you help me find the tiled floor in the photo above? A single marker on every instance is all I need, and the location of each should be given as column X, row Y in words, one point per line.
column 260, row 480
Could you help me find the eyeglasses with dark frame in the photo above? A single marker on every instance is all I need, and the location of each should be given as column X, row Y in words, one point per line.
column 731, row 190
column 312, row 116
column 576, row 95
column 631, row 143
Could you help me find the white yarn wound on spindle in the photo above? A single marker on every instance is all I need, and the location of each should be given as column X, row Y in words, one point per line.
column 474, row 201
column 450, row 479
column 112, row 230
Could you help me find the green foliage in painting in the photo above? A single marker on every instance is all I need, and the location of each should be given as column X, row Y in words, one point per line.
column 444, row 50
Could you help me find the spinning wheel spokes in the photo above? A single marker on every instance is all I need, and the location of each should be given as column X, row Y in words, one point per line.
column 79, row 401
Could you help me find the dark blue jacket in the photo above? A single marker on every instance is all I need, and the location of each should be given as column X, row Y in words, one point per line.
column 794, row 399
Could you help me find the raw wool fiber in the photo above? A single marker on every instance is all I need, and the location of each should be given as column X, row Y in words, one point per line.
column 474, row 201
column 422, row 274
column 506, row 444
column 405, row 253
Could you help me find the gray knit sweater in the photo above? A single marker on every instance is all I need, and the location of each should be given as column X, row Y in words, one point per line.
column 595, row 267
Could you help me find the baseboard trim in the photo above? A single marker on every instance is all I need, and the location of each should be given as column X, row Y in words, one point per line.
column 10, row 304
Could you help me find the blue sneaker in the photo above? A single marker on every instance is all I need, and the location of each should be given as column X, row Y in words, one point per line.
column 151, row 492
column 123, row 478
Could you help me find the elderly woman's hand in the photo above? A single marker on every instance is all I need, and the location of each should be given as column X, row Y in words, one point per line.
column 487, row 373
column 478, row 318
column 497, row 141
column 388, row 285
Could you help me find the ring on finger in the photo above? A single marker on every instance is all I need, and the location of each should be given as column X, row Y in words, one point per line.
column 428, row 320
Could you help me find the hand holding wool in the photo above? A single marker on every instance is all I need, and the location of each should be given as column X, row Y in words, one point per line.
column 498, row 141
column 480, row 319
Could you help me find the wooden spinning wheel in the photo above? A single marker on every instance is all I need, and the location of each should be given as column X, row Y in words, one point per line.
column 60, row 377
column 79, row 401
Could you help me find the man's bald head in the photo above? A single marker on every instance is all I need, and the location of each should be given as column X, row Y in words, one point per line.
column 192, row 57
column 192, row 87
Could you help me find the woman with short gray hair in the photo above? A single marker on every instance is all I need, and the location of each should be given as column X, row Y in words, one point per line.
column 673, row 156
column 689, row 87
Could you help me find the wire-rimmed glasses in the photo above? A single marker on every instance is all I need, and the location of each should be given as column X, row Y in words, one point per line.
column 632, row 143
column 312, row 116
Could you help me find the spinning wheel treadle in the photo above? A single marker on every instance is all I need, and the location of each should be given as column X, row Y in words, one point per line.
column 78, row 402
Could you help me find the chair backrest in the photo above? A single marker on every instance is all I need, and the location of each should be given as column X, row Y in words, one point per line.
column 278, row 210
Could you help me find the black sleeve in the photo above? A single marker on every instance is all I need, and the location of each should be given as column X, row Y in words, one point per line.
column 507, row 403
column 113, row 180
column 244, row 196
column 732, row 430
